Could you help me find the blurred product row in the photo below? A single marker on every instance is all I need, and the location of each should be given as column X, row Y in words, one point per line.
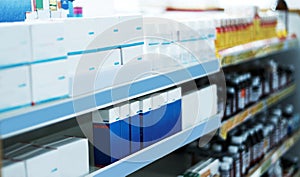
column 247, row 145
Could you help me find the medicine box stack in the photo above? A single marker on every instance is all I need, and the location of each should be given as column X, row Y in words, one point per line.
column 61, row 156
column 197, row 35
column 205, row 103
column 126, row 128
column 48, row 68
column 33, row 64
column 91, row 54
column 95, row 63
column 14, row 74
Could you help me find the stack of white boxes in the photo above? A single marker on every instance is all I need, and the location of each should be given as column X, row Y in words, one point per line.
column 87, row 43
column 160, row 45
column 32, row 66
column 14, row 73
column 195, row 36
column 94, row 49
column 204, row 103
column 53, row 157
column 48, row 68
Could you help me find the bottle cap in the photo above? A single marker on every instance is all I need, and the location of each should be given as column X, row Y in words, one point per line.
column 225, row 166
column 289, row 109
column 237, row 139
column 233, row 149
column 228, row 159
column 277, row 112
column 217, row 147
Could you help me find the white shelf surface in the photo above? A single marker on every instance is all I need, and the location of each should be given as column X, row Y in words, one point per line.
column 150, row 154
column 19, row 121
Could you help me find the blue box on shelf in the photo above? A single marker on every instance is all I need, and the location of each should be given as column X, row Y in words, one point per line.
column 110, row 135
column 146, row 121
column 135, row 126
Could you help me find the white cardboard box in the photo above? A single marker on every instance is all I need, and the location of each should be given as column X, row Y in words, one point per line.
column 157, row 101
column 47, row 40
column 94, row 71
column 79, row 33
column 130, row 28
column 72, row 153
column 145, row 104
column 38, row 161
column 198, row 106
column 134, row 108
column 108, row 115
column 174, row 95
column 15, row 87
column 15, row 46
column 135, row 65
column 49, row 81
column 124, row 111
column 12, row 169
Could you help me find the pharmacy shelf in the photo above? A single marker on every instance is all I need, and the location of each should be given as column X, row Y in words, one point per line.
column 256, row 49
column 255, row 109
column 152, row 153
column 29, row 118
column 274, row 156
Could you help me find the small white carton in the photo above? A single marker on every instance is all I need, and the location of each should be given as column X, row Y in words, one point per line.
column 130, row 28
column 124, row 111
column 72, row 153
column 11, row 169
column 15, row 46
column 49, row 81
column 134, row 108
column 93, row 71
column 47, row 40
column 108, row 115
column 15, row 88
column 174, row 95
column 39, row 161
column 79, row 33
column 145, row 104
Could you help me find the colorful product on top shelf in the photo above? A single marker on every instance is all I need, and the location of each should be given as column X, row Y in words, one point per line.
column 233, row 31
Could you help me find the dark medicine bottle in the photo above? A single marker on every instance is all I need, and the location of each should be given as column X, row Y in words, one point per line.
column 229, row 160
column 238, row 142
column 233, row 152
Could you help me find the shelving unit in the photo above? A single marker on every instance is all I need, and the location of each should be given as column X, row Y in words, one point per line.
column 255, row 109
column 23, row 120
column 250, row 52
column 273, row 156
